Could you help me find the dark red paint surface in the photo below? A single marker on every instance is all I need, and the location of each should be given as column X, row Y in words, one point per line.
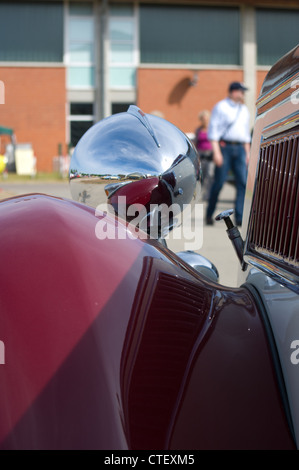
column 115, row 344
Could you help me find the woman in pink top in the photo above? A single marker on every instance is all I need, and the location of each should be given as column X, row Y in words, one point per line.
column 204, row 148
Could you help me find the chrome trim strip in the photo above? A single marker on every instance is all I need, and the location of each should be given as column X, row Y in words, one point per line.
column 270, row 95
column 280, row 275
column 135, row 111
column 283, row 125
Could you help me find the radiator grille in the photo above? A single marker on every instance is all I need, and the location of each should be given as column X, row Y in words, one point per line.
column 273, row 228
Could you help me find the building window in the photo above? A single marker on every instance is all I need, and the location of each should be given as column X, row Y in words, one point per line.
column 81, row 119
column 31, row 31
column 80, row 46
column 122, row 46
column 277, row 33
column 120, row 107
column 173, row 34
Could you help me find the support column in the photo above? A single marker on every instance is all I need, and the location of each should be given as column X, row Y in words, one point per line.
column 249, row 55
column 102, row 105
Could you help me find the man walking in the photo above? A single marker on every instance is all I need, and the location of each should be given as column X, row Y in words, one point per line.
column 230, row 137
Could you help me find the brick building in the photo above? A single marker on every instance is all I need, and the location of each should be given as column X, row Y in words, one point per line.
column 66, row 64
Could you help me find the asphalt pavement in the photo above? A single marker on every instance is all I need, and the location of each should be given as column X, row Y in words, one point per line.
column 210, row 241
column 215, row 244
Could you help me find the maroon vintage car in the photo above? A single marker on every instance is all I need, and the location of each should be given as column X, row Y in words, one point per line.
column 108, row 340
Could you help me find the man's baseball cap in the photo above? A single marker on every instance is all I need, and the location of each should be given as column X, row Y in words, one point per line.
column 237, row 86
